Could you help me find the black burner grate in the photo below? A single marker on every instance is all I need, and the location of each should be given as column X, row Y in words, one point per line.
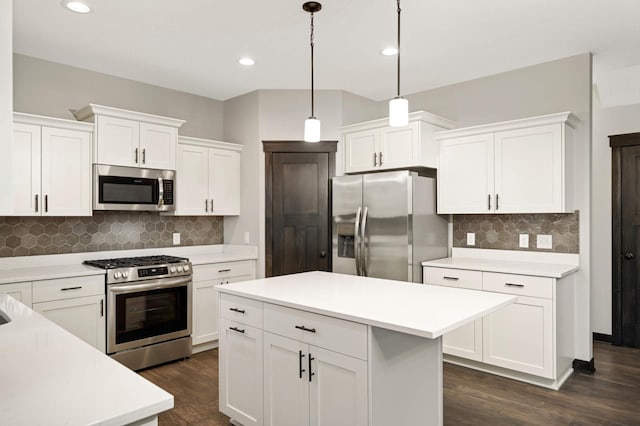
column 131, row 262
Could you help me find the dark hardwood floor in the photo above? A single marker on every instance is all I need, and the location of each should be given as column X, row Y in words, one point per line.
column 611, row 396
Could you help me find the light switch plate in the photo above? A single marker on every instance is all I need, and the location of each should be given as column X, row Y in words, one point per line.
column 246, row 237
column 544, row 241
column 176, row 238
column 524, row 241
column 471, row 238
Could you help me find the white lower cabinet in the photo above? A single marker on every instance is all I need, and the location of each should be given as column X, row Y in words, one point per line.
column 75, row 304
column 308, row 385
column 205, row 297
column 19, row 291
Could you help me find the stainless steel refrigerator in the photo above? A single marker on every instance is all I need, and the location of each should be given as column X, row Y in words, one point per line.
column 385, row 224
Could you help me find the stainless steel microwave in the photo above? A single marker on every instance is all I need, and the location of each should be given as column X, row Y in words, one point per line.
column 132, row 188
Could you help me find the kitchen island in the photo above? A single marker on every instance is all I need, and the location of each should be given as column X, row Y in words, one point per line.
column 330, row 349
column 50, row 377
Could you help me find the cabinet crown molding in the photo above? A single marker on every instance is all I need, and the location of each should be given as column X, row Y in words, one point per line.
column 59, row 123
column 209, row 143
column 87, row 114
column 425, row 116
column 561, row 117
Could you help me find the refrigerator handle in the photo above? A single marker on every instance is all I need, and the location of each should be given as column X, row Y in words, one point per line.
column 363, row 252
column 356, row 245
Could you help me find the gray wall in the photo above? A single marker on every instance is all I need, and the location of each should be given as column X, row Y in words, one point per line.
column 48, row 88
column 6, row 109
column 562, row 85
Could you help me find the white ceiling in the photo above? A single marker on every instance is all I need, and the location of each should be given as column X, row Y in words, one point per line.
column 194, row 45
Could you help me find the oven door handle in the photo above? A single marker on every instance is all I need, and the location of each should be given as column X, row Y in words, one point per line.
column 153, row 285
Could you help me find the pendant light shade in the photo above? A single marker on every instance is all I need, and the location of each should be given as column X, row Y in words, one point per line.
column 398, row 106
column 312, row 124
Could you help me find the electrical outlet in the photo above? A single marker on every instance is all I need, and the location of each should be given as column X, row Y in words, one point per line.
column 176, row 238
column 471, row 238
column 544, row 242
column 246, row 237
column 524, row 241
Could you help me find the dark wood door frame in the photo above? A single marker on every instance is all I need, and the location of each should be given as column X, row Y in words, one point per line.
column 271, row 147
column 617, row 143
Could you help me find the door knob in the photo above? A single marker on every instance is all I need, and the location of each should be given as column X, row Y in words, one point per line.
column 629, row 256
column 323, row 253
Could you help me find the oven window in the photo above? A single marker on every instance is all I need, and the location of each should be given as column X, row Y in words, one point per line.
column 122, row 190
column 150, row 313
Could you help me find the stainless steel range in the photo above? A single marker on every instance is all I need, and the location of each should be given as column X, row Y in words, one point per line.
column 148, row 309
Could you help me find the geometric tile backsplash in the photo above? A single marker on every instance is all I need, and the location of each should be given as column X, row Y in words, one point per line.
column 502, row 231
column 26, row 236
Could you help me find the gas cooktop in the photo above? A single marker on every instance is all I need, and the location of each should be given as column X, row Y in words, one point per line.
column 132, row 262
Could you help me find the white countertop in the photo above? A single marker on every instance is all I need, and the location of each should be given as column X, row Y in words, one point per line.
column 541, row 269
column 421, row 310
column 50, row 377
column 47, row 273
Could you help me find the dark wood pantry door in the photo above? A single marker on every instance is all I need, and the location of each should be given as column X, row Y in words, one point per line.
column 626, row 239
column 298, row 211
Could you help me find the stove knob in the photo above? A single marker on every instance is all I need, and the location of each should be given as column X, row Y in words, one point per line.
column 186, row 268
column 117, row 275
column 125, row 274
column 180, row 268
column 172, row 269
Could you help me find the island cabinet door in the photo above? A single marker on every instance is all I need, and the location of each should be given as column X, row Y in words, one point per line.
column 241, row 372
column 337, row 389
column 286, row 382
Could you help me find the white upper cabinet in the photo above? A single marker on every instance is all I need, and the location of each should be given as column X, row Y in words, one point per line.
column 51, row 165
column 520, row 166
column 208, row 178
column 374, row 145
column 133, row 139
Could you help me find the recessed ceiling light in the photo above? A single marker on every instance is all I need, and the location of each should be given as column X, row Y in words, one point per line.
column 247, row 61
column 389, row 51
column 78, row 6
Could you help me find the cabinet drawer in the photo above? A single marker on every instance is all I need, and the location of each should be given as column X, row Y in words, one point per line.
column 347, row 337
column 222, row 270
column 68, row 288
column 453, row 277
column 241, row 309
column 520, row 285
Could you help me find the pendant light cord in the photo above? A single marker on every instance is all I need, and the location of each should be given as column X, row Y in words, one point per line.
column 399, row 10
column 312, row 110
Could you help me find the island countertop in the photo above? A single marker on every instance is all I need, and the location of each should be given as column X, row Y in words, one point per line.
column 51, row 377
column 417, row 309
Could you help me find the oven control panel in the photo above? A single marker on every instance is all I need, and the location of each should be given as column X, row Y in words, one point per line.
column 153, row 271
column 123, row 275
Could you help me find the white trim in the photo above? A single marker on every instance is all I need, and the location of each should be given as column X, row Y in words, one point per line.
column 87, row 113
column 59, row 123
column 425, row 116
column 209, row 143
column 541, row 120
column 204, row 347
column 517, row 255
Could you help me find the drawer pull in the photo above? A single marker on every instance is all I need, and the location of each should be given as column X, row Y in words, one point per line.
column 514, row 285
column 224, row 270
column 303, row 328
column 300, row 369
column 451, row 278
column 240, row 311
column 310, row 372
column 71, row 288
column 236, row 329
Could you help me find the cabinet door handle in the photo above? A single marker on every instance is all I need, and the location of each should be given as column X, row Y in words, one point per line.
column 212, row 205
column 375, row 159
column 497, row 201
column 300, row 369
column 236, row 329
column 514, row 285
column 36, row 199
column 206, row 205
column 136, row 155
column 451, row 278
column 380, row 160
column 46, row 203
column 240, row 311
column 310, row 372
column 101, row 307
column 303, row 328
column 224, row 270
column 489, row 201
column 144, row 156
column 71, row 288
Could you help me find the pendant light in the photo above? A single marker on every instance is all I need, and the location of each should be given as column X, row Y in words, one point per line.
column 312, row 124
column 398, row 106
